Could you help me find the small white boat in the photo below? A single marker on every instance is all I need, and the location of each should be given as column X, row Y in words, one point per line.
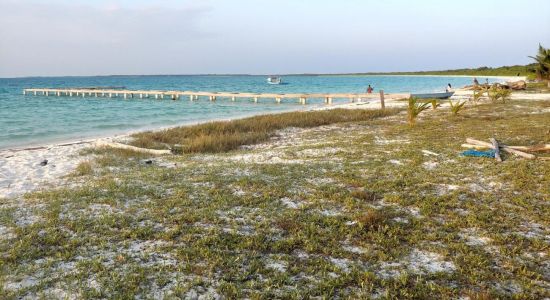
column 274, row 80
column 445, row 95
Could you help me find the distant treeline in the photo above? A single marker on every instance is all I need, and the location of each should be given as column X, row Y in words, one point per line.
column 527, row 70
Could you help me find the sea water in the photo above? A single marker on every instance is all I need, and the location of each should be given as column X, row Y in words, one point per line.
column 36, row 120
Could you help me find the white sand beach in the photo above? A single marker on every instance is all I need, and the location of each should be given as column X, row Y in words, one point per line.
column 23, row 170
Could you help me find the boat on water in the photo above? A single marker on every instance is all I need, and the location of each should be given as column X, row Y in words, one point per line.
column 445, row 95
column 274, row 80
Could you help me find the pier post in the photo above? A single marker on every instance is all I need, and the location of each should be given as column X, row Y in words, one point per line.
column 140, row 96
column 156, row 96
column 278, row 100
column 191, row 97
column 303, row 100
column 233, row 98
column 125, row 95
column 329, row 100
column 83, row 94
column 35, row 93
column 58, row 94
column 95, row 94
column 173, row 97
column 47, row 93
column 382, row 104
column 110, row 95
column 70, row 94
column 255, row 99
column 24, row 92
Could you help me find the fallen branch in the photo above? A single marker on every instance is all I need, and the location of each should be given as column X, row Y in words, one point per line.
column 537, row 148
column 497, row 149
column 476, row 147
column 504, row 147
column 137, row 149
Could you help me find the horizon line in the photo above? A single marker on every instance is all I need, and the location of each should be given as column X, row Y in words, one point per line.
column 272, row 74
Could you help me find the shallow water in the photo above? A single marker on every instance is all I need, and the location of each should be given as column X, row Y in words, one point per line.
column 28, row 120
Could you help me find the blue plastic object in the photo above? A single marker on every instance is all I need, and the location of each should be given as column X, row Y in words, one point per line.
column 477, row 153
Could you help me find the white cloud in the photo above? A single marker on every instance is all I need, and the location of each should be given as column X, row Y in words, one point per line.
column 49, row 39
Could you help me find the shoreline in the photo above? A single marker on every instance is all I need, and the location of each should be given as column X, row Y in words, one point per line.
column 126, row 134
column 122, row 133
column 21, row 170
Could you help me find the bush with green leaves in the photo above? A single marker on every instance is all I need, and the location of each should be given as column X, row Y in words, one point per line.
column 414, row 109
column 504, row 94
column 477, row 96
column 456, row 107
column 495, row 93
column 435, row 103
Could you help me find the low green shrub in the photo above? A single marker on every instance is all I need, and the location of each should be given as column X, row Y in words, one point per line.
column 456, row 107
column 414, row 109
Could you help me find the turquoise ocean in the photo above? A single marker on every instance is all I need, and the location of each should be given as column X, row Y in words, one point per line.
column 38, row 120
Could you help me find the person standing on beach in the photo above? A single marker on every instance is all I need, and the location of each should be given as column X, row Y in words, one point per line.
column 449, row 88
column 369, row 89
column 476, row 83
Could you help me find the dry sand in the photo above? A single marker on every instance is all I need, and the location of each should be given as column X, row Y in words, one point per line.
column 21, row 170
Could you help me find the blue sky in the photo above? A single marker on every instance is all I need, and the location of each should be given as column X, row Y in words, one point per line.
column 78, row 37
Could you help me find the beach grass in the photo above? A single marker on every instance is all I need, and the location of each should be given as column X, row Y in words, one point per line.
column 360, row 209
column 222, row 136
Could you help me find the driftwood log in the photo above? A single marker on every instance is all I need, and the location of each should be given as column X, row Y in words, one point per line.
column 505, row 148
column 472, row 146
column 536, row 148
column 137, row 149
column 517, row 85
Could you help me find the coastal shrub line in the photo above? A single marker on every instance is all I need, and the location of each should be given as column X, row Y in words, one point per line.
column 222, row 136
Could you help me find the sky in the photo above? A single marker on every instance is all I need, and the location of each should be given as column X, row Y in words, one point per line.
column 86, row 37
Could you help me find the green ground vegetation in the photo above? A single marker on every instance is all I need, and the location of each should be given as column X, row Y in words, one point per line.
column 221, row 136
column 360, row 209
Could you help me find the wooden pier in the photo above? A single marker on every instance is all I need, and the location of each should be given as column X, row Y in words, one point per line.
column 212, row 96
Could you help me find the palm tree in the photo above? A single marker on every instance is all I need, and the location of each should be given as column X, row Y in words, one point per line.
column 542, row 68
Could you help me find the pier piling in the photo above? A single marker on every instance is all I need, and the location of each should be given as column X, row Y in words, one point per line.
column 382, row 104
